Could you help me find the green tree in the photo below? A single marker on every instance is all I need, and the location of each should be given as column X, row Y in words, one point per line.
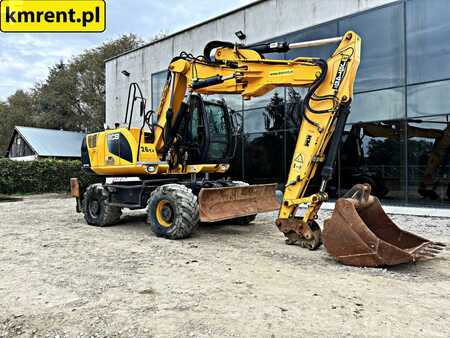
column 89, row 70
column 71, row 98
column 4, row 127
column 16, row 111
column 55, row 100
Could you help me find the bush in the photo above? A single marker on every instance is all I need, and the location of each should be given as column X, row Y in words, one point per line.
column 43, row 176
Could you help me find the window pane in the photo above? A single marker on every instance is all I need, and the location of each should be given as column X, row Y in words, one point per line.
column 379, row 105
column 428, row 40
column 268, row 117
column 254, row 120
column 219, row 129
column 371, row 152
column 382, row 54
column 233, row 101
column 328, row 30
column 158, row 82
column 262, row 101
column 428, row 161
column 429, row 99
column 264, row 157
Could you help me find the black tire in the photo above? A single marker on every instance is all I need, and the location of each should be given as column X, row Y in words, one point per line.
column 96, row 209
column 173, row 211
column 245, row 220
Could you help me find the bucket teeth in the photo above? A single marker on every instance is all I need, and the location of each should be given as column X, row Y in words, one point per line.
column 429, row 250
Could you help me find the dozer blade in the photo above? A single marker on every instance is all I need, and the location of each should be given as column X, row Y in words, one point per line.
column 219, row 204
column 359, row 233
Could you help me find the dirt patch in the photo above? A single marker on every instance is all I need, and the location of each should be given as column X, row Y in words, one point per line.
column 61, row 277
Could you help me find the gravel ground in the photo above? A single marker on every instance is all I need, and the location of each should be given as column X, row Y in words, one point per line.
column 61, row 277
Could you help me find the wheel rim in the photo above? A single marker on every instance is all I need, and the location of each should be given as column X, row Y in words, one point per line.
column 164, row 213
column 94, row 207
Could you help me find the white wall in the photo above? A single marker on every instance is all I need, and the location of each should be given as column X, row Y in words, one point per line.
column 261, row 21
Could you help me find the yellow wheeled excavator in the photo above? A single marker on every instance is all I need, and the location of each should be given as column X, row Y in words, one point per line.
column 181, row 158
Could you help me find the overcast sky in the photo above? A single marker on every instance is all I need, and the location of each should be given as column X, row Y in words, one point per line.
column 25, row 58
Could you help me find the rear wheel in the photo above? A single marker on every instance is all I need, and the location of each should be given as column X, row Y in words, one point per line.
column 96, row 209
column 173, row 211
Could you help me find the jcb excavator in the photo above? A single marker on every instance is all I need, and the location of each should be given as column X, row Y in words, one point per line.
column 192, row 140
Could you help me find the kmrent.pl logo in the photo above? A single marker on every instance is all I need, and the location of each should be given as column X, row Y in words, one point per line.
column 52, row 16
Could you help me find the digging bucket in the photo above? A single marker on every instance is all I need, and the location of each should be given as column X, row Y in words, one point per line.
column 219, row 204
column 359, row 233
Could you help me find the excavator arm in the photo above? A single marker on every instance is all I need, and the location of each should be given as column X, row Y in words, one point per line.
column 244, row 71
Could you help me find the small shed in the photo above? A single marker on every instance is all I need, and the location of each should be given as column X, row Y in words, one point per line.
column 28, row 144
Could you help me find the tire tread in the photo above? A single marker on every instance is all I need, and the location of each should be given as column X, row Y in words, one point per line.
column 187, row 210
column 110, row 216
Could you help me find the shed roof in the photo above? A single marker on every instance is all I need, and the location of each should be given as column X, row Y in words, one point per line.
column 50, row 142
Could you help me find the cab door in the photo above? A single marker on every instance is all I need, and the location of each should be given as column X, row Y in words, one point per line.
column 207, row 131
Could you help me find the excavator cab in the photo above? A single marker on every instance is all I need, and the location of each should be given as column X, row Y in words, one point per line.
column 206, row 131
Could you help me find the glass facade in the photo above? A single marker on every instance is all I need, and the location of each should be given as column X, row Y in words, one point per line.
column 428, row 31
column 158, row 81
column 398, row 133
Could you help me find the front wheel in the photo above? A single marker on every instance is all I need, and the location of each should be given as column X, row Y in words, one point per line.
column 173, row 211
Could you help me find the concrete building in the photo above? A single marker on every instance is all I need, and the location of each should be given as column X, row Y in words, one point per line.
column 403, row 87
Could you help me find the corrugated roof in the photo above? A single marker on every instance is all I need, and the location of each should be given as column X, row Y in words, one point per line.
column 54, row 143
